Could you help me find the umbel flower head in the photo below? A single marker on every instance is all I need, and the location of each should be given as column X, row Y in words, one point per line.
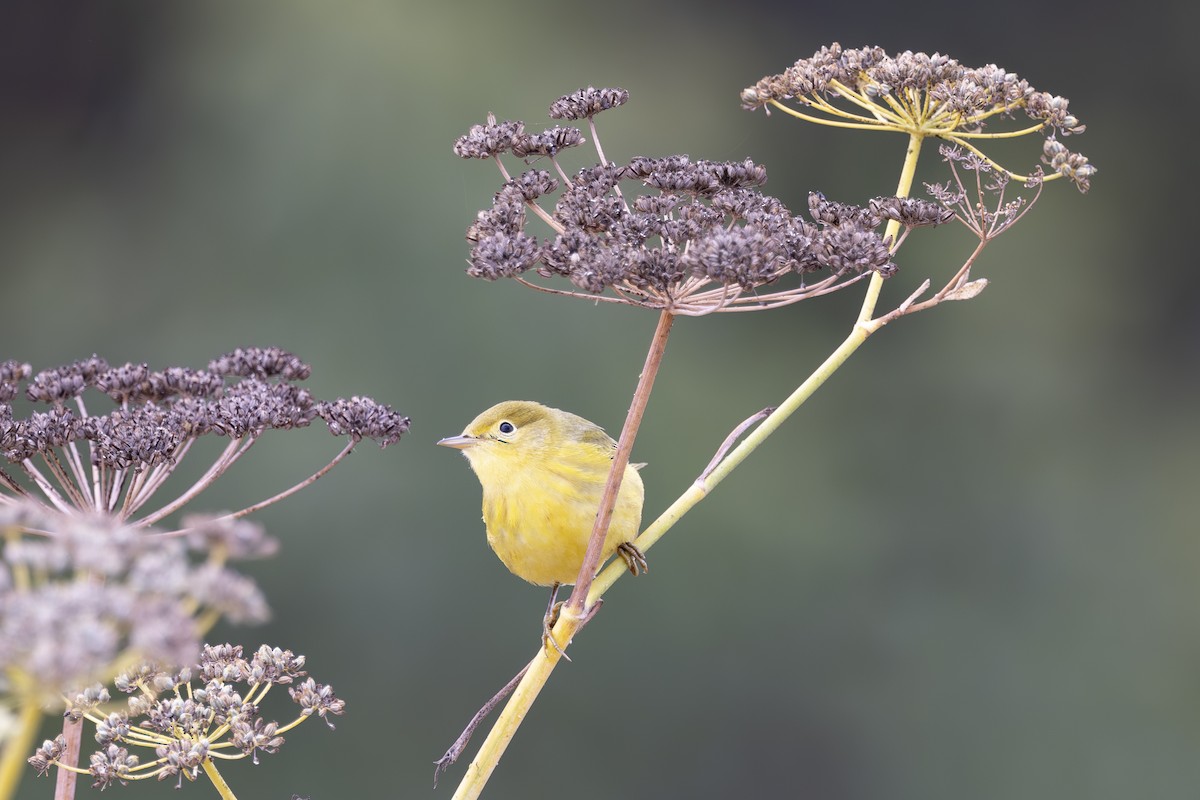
column 188, row 719
column 923, row 96
column 73, row 459
column 672, row 233
column 80, row 592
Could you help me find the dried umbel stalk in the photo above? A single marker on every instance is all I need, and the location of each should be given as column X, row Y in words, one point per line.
column 674, row 234
column 192, row 717
column 926, row 96
column 75, row 460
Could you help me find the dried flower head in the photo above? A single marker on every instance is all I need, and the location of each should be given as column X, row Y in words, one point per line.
column 490, row 140
column 193, row 717
column 984, row 207
column 547, row 143
column 47, row 755
column 76, row 460
column 921, row 95
column 910, row 212
column 587, row 103
column 673, row 233
column 82, row 590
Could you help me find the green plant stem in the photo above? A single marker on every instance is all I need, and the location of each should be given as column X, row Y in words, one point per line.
column 502, row 732
column 19, row 748
column 863, row 328
column 903, row 189
column 704, row 485
column 570, row 619
column 214, row 775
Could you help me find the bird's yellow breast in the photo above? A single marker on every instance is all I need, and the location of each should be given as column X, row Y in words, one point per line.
column 539, row 519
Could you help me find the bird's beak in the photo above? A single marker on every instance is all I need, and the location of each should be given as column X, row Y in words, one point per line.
column 458, row 442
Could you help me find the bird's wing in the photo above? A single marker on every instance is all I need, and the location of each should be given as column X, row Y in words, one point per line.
column 594, row 436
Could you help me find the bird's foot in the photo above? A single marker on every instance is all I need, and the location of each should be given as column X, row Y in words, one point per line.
column 634, row 558
column 551, row 619
column 548, row 623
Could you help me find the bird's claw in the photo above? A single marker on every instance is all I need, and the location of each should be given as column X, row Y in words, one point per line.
column 635, row 559
column 548, row 622
column 548, row 640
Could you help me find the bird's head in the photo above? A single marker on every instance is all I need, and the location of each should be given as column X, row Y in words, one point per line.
column 505, row 431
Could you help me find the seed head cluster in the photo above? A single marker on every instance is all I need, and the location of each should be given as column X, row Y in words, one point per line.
column 980, row 202
column 210, row 710
column 113, row 462
column 88, row 578
column 587, row 103
column 79, row 590
column 690, row 236
column 931, row 95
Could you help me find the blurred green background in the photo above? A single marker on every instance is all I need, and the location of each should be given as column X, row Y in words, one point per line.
column 966, row 569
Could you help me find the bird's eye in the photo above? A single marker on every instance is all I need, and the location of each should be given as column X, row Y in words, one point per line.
column 506, row 427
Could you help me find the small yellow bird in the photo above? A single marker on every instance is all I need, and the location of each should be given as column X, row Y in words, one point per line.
column 543, row 471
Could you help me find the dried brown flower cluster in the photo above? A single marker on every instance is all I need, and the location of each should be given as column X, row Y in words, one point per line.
column 115, row 462
column 672, row 233
column 189, row 717
column 979, row 202
column 77, row 591
column 923, row 95
column 87, row 585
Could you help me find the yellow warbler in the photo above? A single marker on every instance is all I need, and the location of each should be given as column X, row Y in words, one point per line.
column 543, row 471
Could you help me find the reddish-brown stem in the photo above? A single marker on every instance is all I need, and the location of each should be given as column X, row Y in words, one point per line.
column 64, row 786
column 232, row 452
column 952, row 284
column 633, row 420
column 345, row 451
column 460, row 744
column 11, row 483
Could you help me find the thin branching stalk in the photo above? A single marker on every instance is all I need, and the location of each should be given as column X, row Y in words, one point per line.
column 633, row 420
column 286, row 493
column 233, row 451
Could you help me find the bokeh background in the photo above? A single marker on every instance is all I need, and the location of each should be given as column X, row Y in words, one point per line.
column 968, row 568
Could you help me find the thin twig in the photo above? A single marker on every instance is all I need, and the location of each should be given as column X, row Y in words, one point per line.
column 731, row 438
column 159, row 476
column 69, row 488
column 912, row 298
column 562, row 173
column 11, row 483
column 232, row 452
column 311, row 479
column 345, row 451
column 43, row 484
column 608, row 500
column 910, row 307
column 444, row 763
column 81, row 477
